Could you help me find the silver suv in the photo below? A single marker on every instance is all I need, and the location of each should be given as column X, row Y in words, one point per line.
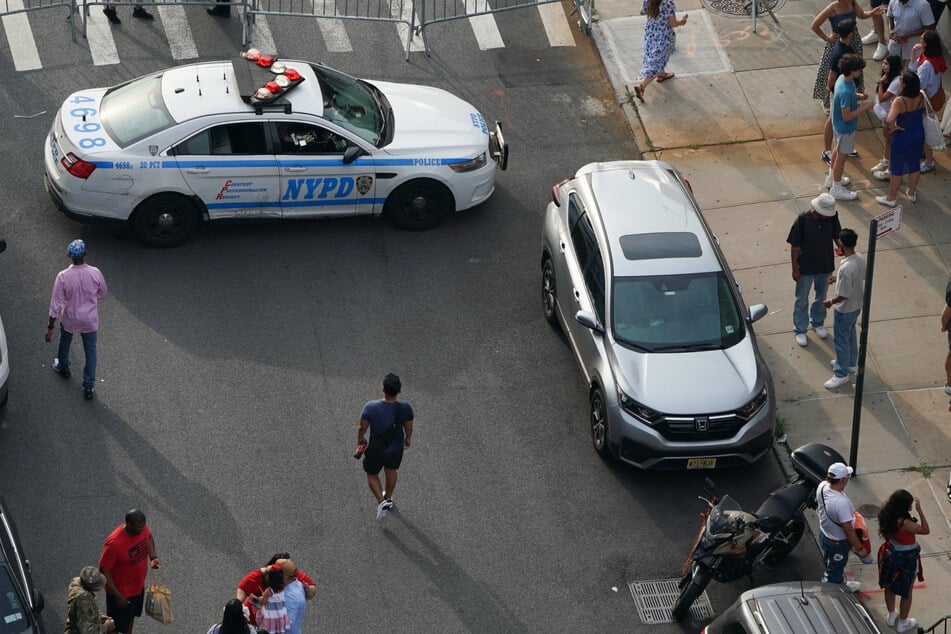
column 635, row 278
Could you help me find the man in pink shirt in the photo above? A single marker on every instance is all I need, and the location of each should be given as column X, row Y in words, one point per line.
column 75, row 301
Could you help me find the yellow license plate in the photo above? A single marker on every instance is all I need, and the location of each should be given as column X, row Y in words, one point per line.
column 701, row 463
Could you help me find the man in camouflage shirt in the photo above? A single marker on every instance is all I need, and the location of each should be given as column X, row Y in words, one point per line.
column 82, row 614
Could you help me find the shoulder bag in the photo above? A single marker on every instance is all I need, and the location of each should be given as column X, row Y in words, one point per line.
column 929, row 120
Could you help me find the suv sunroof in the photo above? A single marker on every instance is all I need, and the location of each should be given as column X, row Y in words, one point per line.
column 656, row 246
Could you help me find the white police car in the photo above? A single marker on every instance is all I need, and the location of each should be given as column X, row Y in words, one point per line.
column 259, row 138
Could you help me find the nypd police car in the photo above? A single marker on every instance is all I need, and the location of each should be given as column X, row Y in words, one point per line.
column 256, row 137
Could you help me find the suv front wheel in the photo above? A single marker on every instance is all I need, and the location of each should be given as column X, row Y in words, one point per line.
column 599, row 423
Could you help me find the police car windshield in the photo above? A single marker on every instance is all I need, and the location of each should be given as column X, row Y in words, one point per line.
column 136, row 110
column 352, row 104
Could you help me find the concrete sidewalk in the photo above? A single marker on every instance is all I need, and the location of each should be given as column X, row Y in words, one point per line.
column 740, row 123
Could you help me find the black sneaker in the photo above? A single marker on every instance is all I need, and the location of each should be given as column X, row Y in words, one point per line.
column 111, row 14
column 142, row 14
column 60, row 370
column 88, row 393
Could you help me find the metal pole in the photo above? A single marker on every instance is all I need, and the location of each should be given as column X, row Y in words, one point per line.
column 754, row 16
column 863, row 344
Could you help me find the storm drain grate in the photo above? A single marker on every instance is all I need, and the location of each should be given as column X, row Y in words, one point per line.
column 655, row 601
column 742, row 8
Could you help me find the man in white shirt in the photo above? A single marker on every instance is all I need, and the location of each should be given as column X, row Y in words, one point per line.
column 836, row 534
column 907, row 20
column 847, row 304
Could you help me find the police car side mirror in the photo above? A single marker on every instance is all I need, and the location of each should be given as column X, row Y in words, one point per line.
column 352, row 153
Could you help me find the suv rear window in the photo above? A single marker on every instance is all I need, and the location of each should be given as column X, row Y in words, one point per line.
column 676, row 313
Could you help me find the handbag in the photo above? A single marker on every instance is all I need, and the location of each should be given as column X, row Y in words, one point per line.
column 933, row 136
column 158, row 599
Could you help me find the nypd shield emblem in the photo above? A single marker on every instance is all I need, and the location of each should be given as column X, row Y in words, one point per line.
column 364, row 183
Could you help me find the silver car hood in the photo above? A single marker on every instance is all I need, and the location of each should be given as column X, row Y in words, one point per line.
column 690, row 383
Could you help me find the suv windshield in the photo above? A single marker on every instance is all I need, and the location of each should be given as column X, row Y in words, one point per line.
column 14, row 616
column 675, row 313
column 136, row 110
column 353, row 104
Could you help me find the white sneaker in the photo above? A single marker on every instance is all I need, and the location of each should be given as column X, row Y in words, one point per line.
column 912, row 198
column 947, row 388
column 881, row 165
column 834, row 383
column 870, row 38
column 882, row 175
column 839, row 192
column 381, row 511
column 881, row 51
column 906, row 625
column 801, row 339
column 821, row 332
column 891, row 618
column 883, row 200
column 853, row 586
column 845, row 182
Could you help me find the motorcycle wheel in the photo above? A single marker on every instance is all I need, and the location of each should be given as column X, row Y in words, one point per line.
column 689, row 592
column 785, row 540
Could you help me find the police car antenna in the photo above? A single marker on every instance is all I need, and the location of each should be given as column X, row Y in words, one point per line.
column 198, row 81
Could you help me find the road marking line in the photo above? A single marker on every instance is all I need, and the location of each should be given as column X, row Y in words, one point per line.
column 404, row 9
column 484, row 27
column 556, row 24
column 20, row 37
column 335, row 35
column 102, row 46
column 177, row 31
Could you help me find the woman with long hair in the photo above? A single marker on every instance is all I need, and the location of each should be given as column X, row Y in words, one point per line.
column 908, row 136
column 233, row 621
column 888, row 85
column 835, row 13
column 899, row 558
column 928, row 61
column 659, row 40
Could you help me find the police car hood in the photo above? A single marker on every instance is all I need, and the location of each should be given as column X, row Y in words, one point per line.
column 690, row 383
column 428, row 117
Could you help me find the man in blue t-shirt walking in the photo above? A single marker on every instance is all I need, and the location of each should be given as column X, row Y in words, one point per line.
column 845, row 112
column 391, row 427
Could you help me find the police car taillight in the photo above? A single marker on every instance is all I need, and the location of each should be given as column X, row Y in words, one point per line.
column 76, row 166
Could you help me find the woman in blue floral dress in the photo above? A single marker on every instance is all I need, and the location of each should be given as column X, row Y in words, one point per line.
column 659, row 41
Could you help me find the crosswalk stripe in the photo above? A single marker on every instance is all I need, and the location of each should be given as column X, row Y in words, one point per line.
column 556, row 24
column 178, row 32
column 404, row 9
column 335, row 35
column 484, row 27
column 102, row 46
column 20, row 38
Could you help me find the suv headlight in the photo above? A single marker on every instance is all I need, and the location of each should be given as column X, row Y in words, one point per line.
column 635, row 409
column 470, row 166
column 749, row 410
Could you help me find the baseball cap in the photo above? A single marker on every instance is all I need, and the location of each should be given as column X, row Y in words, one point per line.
column 76, row 249
column 91, row 578
column 838, row 470
column 824, row 204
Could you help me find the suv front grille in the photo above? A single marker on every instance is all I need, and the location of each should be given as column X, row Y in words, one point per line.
column 699, row 428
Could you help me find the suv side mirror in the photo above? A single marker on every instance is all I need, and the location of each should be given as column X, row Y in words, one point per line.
column 589, row 320
column 3, row 245
column 757, row 312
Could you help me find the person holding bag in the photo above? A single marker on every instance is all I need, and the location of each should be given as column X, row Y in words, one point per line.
column 899, row 557
column 929, row 63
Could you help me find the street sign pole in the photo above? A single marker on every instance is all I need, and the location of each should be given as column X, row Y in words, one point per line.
column 863, row 343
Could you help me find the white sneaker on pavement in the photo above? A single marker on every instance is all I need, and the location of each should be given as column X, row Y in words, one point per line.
column 821, row 331
column 881, row 165
column 906, row 625
column 947, row 388
column 870, row 38
column 881, row 51
column 853, row 586
column 846, row 181
column 882, row 175
column 839, row 192
column 883, row 200
column 891, row 618
column 381, row 511
column 801, row 339
column 832, row 384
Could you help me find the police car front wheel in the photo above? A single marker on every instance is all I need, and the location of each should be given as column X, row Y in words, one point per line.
column 165, row 220
column 418, row 205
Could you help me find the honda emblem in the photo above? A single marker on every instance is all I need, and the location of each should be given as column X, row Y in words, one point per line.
column 702, row 423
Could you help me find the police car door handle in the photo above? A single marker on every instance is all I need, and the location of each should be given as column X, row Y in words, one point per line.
column 197, row 170
column 296, row 168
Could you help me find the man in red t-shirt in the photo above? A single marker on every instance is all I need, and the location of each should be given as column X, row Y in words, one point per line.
column 124, row 564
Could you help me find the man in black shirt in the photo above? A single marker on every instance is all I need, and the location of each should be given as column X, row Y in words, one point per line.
column 812, row 239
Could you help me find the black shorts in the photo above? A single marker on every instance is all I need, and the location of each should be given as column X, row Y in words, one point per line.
column 123, row 616
column 373, row 462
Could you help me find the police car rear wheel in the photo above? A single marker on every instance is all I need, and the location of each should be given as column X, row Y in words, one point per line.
column 418, row 205
column 165, row 220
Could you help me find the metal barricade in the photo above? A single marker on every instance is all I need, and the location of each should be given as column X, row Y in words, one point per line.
column 204, row 4
column 12, row 7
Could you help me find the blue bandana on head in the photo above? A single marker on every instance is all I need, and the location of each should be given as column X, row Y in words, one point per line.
column 77, row 249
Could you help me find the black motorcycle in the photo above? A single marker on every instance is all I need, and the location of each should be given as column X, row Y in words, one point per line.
column 732, row 542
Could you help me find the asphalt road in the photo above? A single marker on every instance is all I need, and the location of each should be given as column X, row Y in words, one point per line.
column 233, row 370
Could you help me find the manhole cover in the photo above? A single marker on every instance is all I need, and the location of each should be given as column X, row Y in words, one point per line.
column 869, row 511
column 655, row 601
column 742, row 8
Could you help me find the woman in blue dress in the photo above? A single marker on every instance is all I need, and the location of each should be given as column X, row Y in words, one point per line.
column 659, row 41
column 908, row 138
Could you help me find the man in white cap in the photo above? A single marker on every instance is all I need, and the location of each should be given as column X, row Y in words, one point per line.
column 836, row 532
column 812, row 239
column 75, row 300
